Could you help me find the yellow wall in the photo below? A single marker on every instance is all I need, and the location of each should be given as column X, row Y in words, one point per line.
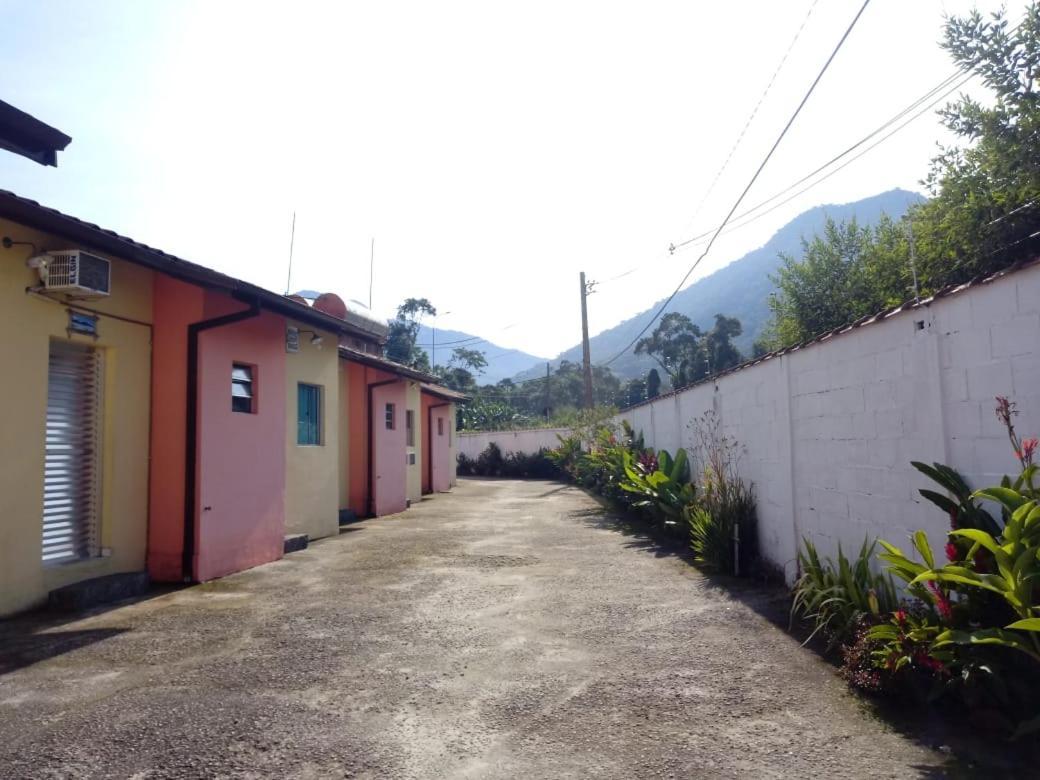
column 414, row 470
column 27, row 325
column 312, row 482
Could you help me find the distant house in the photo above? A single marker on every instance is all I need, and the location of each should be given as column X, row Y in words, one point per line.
column 29, row 137
column 162, row 416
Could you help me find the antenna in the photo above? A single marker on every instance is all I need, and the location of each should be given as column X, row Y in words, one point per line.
column 371, row 271
column 292, row 240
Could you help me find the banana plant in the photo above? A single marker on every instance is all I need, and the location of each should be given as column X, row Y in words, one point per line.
column 667, row 488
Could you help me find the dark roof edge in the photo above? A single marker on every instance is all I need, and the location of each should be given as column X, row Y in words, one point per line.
column 445, row 393
column 884, row 314
column 88, row 235
column 375, row 361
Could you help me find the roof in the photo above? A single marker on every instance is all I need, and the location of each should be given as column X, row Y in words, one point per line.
column 427, row 382
column 870, row 319
column 32, row 214
column 26, row 135
column 445, row 393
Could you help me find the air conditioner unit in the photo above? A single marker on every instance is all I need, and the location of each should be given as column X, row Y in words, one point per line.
column 74, row 271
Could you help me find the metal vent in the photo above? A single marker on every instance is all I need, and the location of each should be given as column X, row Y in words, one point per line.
column 70, row 481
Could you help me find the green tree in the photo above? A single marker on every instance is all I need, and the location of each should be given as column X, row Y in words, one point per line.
column 653, row 384
column 718, row 348
column 675, row 345
column 404, row 333
column 986, row 192
column 983, row 213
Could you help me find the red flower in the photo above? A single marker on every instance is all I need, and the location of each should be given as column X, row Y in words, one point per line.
column 951, row 552
column 942, row 602
column 1028, row 448
column 900, row 616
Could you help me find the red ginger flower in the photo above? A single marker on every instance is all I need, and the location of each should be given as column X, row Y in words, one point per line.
column 952, row 553
column 942, row 602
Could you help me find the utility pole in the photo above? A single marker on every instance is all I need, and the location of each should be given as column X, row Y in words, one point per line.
column 546, row 391
column 586, row 355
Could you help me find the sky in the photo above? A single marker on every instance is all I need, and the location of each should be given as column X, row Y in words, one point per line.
column 492, row 150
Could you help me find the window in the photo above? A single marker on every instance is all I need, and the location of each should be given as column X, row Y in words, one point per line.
column 242, row 388
column 440, row 426
column 71, row 453
column 308, row 415
column 391, row 410
column 409, row 426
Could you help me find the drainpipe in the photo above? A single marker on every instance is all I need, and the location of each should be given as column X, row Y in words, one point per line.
column 191, row 426
column 371, row 446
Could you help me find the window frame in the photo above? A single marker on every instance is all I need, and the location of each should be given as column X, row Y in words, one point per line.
column 390, row 416
column 409, row 427
column 318, row 425
column 251, row 386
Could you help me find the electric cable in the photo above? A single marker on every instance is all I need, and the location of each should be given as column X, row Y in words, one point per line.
column 754, row 178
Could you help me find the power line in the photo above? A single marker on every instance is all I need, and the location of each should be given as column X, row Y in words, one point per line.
column 751, row 116
column 967, row 75
column 754, row 178
column 881, row 128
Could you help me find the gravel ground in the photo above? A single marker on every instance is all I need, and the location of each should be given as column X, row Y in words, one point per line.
column 505, row 630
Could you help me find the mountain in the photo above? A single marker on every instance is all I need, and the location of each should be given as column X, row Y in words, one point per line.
column 502, row 361
column 740, row 289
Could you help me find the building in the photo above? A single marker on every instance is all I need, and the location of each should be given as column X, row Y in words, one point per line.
column 27, row 136
column 166, row 417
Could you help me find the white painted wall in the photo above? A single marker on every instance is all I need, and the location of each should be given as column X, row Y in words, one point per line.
column 829, row 430
column 526, row 441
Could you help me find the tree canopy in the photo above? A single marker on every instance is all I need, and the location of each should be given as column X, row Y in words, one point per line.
column 982, row 216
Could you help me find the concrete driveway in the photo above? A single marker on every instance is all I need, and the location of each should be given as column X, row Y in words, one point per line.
column 505, row 630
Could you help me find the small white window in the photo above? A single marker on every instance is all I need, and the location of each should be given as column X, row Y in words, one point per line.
column 242, row 388
column 391, row 412
column 440, row 426
column 409, row 426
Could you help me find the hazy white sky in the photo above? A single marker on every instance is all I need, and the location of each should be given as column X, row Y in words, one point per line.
column 493, row 150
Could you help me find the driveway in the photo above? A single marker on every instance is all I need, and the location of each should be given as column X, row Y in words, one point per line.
column 506, row 630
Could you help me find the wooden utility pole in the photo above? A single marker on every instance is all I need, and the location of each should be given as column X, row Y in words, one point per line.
column 586, row 355
column 547, row 391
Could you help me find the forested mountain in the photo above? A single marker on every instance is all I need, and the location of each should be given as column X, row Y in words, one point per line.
column 740, row 289
column 503, row 362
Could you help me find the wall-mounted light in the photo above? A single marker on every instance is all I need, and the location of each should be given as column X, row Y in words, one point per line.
column 316, row 338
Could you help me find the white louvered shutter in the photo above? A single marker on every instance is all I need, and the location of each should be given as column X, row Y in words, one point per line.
column 70, row 492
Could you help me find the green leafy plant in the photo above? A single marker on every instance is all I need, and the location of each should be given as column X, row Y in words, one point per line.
column 836, row 598
column 663, row 486
column 964, row 511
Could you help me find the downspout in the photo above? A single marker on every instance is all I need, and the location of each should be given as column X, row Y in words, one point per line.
column 191, row 427
column 371, row 445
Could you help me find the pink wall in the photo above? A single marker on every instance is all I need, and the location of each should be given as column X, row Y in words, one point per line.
column 241, row 457
column 440, row 454
column 390, row 478
column 241, row 464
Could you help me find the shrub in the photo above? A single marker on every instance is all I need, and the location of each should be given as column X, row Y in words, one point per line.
column 837, row 600
column 492, row 463
column 712, row 524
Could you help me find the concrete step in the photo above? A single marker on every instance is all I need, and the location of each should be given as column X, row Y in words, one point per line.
column 295, row 543
column 99, row 590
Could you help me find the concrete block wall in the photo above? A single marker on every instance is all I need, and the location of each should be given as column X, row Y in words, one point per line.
column 828, row 431
column 525, row 441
